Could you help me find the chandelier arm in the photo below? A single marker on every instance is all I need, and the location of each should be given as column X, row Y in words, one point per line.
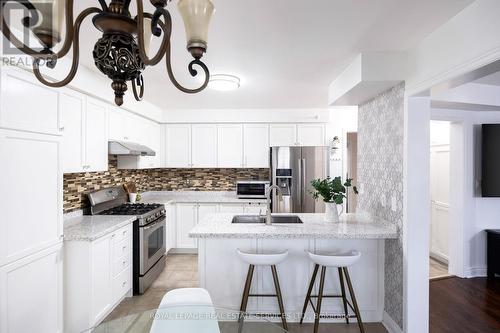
column 140, row 33
column 140, row 95
column 167, row 29
column 103, row 4
column 76, row 53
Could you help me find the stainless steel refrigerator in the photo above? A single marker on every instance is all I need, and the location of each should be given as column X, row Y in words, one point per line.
column 293, row 169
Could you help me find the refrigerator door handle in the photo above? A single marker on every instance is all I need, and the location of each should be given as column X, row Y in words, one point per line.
column 299, row 185
column 303, row 194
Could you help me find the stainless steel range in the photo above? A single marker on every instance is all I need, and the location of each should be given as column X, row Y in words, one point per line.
column 149, row 232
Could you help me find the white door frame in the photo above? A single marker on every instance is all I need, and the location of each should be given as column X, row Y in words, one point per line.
column 416, row 182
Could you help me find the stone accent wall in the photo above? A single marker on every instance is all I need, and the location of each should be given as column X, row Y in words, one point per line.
column 77, row 185
column 380, row 178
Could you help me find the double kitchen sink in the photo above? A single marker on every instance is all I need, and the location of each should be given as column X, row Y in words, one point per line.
column 262, row 219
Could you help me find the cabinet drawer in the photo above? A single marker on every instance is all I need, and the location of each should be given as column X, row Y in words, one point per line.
column 122, row 263
column 122, row 234
column 122, row 248
column 122, row 284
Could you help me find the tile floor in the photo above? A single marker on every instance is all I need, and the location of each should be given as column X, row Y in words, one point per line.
column 437, row 269
column 181, row 271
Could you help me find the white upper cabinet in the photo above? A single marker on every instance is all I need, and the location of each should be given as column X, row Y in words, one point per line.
column 283, row 135
column 178, row 146
column 230, row 146
column 85, row 138
column 72, row 106
column 256, row 146
column 96, row 136
column 204, row 146
column 22, row 183
column 28, row 105
column 117, row 130
column 311, row 134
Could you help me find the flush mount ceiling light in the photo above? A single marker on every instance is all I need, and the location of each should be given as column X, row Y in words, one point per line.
column 122, row 51
column 224, row 82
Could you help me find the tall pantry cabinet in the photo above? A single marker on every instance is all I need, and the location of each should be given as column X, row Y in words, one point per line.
column 31, row 263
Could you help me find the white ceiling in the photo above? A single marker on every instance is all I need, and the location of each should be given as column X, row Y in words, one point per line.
column 286, row 51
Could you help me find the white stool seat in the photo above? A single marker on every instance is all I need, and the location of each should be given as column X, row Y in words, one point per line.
column 259, row 259
column 186, row 310
column 186, row 296
column 335, row 260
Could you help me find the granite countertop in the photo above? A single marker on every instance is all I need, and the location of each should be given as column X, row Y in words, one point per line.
column 166, row 197
column 91, row 227
column 351, row 226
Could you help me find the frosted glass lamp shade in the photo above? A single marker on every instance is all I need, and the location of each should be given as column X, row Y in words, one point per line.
column 51, row 19
column 148, row 34
column 196, row 15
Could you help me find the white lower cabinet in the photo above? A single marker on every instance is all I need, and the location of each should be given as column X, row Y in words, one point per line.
column 98, row 274
column 186, row 219
column 187, row 215
column 231, row 208
column 31, row 293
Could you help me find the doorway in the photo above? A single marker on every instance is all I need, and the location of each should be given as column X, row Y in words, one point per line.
column 439, row 199
column 352, row 169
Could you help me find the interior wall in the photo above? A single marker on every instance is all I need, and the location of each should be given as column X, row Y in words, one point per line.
column 380, row 174
column 478, row 213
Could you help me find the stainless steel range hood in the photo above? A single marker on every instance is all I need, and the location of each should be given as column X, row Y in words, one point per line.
column 129, row 149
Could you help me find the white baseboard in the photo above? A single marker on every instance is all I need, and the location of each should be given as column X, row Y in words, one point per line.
column 390, row 324
column 439, row 257
column 473, row 272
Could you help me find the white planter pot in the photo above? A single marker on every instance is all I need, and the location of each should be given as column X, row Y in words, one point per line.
column 331, row 212
column 132, row 197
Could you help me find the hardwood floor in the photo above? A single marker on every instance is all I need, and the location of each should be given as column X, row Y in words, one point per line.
column 464, row 305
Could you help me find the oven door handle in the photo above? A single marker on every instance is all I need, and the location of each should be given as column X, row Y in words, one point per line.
column 152, row 225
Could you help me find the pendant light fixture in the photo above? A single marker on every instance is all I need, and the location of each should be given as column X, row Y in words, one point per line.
column 122, row 52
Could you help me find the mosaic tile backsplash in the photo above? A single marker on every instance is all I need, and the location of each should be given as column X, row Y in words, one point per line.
column 77, row 185
column 380, row 174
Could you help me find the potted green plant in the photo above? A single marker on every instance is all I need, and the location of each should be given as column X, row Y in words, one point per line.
column 333, row 192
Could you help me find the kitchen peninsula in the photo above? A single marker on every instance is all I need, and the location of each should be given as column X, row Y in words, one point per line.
column 223, row 273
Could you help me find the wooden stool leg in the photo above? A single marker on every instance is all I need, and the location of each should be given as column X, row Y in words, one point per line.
column 244, row 298
column 320, row 299
column 354, row 302
column 344, row 298
column 309, row 290
column 278, row 295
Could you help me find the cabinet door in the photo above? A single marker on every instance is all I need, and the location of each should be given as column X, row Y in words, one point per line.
column 72, row 106
column 101, row 272
column 230, row 146
column 283, row 135
column 154, row 137
column 28, row 105
column 311, row 134
column 205, row 209
column 185, row 221
column 96, row 138
column 231, row 208
column 117, row 124
column 32, row 293
column 204, row 146
column 256, row 145
column 30, row 173
column 178, row 146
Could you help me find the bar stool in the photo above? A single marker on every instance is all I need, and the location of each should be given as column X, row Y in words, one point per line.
column 341, row 261
column 253, row 259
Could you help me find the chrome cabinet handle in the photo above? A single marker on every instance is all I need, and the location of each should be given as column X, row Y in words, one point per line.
column 61, row 129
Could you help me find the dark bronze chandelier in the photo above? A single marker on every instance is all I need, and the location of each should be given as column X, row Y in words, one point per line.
column 122, row 51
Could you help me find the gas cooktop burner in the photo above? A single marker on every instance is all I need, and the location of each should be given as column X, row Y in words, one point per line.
column 131, row 209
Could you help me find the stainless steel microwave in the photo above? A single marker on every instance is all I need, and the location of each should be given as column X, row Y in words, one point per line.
column 252, row 189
